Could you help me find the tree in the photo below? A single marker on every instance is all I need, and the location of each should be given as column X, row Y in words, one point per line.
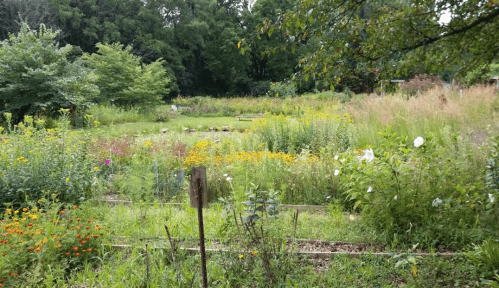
column 122, row 79
column 36, row 77
column 32, row 12
column 389, row 37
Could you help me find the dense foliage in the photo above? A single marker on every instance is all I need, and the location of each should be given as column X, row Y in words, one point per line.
column 37, row 77
column 123, row 80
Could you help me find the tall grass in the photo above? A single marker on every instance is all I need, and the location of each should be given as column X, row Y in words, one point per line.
column 469, row 114
column 109, row 115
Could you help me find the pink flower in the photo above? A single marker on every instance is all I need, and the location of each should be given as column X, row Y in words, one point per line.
column 107, row 161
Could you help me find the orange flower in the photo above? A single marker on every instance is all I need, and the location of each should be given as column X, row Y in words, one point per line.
column 67, row 254
column 89, row 249
column 77, row 254
column 75, row 248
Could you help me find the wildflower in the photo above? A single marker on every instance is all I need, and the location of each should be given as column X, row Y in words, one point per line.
column 96, row 168
column 328, row 197
column 225, row 175
column 395, row 198
column 107, row 161
column 148, row 144
column 368, row 155
column 67, row 253
column 418, row 141
column 370, row 189
column 336, row 157
column 241, row 256
column 25, row 209
column 336, row 172
column 53, row 195
column 436, row 202
column 9, row 211
column 16, row 212
column 491, row 198
column 75, row 248
column 67, row 179
column 342, row 160
column 228, row 178
column 77, row 254
column 254, row 252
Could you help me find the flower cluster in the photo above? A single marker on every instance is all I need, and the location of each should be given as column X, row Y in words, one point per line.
column 29, row 236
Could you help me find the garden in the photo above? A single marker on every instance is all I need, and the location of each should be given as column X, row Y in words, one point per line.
column 315, row 192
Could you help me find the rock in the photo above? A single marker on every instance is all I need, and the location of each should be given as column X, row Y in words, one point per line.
column 174, row 108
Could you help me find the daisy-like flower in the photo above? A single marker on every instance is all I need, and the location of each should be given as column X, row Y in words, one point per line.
column 336, row 172
column 370, row 189
column 228, row 178
column 336, row 157
column 225, row 175
column 395, row 198
column 418, row 141
column 368, row 155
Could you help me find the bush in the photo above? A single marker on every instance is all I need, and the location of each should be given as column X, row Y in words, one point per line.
column 49, row 81
column 283, row 90
column 413, row 192
column 122, row 79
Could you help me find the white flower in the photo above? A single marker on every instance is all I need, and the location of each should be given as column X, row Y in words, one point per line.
column 336, row 157
column 225, row 175
column 342, row 160
column 336, row 172
column 418, row 141
column 491, row 198
column 395, row 198
column 436, row 202
column 368, row 155
column 228, row 178
column 328, row 197
column 370, row 189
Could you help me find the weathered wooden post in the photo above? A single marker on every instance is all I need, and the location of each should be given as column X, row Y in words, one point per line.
column 199, row 198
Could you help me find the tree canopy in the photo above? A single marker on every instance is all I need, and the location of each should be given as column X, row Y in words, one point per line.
column 390, row 38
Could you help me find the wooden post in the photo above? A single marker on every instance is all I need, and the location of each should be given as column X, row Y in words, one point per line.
column 198, row 173
column 198, row 187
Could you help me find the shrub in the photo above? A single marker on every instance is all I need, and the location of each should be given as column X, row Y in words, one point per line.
column 49, row 81
column 121, row 78
column 283, row 90
column 412, row 192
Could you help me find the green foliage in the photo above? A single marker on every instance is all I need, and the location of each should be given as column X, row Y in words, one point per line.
column 35, row 163
column 37, row 77
column 360, row 38
column 282, row 90
column 123, row 81
column 485, row 258
column 411, row 195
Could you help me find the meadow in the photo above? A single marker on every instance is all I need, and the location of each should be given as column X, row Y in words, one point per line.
column 396, row 174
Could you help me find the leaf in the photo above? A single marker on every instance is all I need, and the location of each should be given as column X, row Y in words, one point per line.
column 331, row 87
column 249, row 203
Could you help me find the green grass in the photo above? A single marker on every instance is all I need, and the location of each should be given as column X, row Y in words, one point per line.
column 201, row 124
